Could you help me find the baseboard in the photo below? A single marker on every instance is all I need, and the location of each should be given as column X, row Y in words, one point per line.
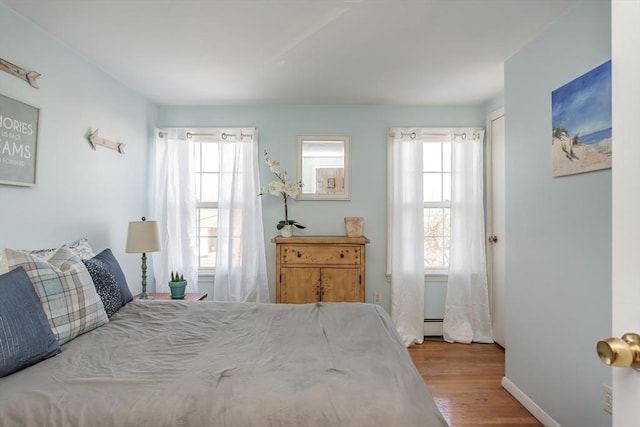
column 529, row 404
column 432, row 327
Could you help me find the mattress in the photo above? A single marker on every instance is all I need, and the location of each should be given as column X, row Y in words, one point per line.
column 179, row 363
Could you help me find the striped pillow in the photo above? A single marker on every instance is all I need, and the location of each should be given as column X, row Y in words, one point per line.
column 65, row 289
column 25, row 334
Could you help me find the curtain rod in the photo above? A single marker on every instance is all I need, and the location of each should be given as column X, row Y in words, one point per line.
column 411, row 135
column 223, row 135
column 474, row 134
column 463, row 135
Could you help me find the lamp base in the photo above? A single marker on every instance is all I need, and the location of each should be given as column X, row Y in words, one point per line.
column 145, row 295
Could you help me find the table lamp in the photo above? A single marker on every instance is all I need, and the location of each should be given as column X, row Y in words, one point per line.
column 142, row 238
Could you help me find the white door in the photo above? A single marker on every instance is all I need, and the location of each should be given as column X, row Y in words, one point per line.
column 625, row 61
column 496, row 221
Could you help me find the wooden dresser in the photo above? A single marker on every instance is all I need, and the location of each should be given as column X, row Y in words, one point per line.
column 320, row 268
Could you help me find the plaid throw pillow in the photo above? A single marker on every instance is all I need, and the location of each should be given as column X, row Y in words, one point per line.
column 65, row 289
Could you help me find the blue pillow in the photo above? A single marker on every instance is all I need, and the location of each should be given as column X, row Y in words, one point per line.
column 105, row 284
column 25, row 335
column 110, row 261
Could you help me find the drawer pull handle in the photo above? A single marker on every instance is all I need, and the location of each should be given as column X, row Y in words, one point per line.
column 341, row 255
column 299, row 255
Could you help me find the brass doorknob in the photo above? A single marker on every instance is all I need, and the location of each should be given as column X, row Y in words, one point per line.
column 493, row 239
column 623, row 351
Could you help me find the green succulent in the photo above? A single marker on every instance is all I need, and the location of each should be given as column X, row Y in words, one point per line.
column 176, row 277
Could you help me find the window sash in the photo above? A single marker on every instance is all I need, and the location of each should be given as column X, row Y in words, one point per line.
column 204, row 235
column 206, row 176
column 438, row 171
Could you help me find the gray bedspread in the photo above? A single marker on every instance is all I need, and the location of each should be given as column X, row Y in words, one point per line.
column 170, row 363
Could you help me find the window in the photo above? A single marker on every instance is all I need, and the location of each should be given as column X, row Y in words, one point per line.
column 437, row 205
column 206, row 177
column 421, row 166
column 426, row 154
column 205, row 198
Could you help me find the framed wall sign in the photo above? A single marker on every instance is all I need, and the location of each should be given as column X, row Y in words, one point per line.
column 18, row 142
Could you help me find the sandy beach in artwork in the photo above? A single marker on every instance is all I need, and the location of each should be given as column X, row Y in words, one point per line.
column 584, row 158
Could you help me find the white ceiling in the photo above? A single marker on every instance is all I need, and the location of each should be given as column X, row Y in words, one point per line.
column 222, row 52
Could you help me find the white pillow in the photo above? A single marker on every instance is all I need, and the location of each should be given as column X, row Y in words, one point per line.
column 80, row 247
column 65, row 289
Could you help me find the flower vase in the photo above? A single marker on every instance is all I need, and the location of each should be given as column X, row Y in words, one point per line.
column 287, row 231
column 354, row 225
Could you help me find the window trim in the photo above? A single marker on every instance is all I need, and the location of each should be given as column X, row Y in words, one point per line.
column 437, row 275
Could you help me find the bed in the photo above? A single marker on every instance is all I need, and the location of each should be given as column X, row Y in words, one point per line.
column 179, row 363
column 77, row 350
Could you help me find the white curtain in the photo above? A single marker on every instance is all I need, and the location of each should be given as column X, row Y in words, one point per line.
column 241, row 271
column 173, row 207
column 467, row 317
column 406, row 237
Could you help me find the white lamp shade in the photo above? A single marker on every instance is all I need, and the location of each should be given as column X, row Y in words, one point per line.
column 142, row 237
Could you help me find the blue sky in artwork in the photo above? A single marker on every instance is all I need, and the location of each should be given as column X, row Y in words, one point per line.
column 583, row 105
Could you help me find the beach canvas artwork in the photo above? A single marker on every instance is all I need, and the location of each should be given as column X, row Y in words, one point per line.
column 581, row 114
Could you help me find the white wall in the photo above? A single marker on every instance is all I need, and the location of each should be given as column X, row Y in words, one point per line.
column 559, row 231
column 278, row 127
column 79, row 192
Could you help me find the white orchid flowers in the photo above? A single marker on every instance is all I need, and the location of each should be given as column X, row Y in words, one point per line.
column 282, row 187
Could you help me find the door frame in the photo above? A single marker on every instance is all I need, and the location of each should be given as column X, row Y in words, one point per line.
column 489, row 231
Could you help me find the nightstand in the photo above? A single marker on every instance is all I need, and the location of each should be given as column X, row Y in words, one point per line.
column 167, row 296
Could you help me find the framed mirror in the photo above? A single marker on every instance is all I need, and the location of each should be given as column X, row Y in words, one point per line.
column 323, row 167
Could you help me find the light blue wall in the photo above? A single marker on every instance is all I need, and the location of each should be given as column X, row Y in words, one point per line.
column 82, row 193
column 558, row 246
column 79, row 192
column 558, row 231
column 278, row 128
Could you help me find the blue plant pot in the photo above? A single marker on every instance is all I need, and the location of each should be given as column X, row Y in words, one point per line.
column 177, row 289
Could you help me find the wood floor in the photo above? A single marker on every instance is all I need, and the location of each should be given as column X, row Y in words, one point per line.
column 465, row 383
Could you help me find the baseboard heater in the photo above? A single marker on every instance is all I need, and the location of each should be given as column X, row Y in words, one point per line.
column 432, row 327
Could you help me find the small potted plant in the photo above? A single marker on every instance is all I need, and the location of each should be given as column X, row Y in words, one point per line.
column 177, row 285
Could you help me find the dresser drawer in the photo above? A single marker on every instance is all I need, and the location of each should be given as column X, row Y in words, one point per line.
column 312, row 255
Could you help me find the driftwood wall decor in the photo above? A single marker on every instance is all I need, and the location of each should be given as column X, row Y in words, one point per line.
column 19, row 72
column 97, row 140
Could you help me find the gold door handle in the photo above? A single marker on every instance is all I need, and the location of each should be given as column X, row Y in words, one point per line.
column 493, row 239
column 623, row 351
